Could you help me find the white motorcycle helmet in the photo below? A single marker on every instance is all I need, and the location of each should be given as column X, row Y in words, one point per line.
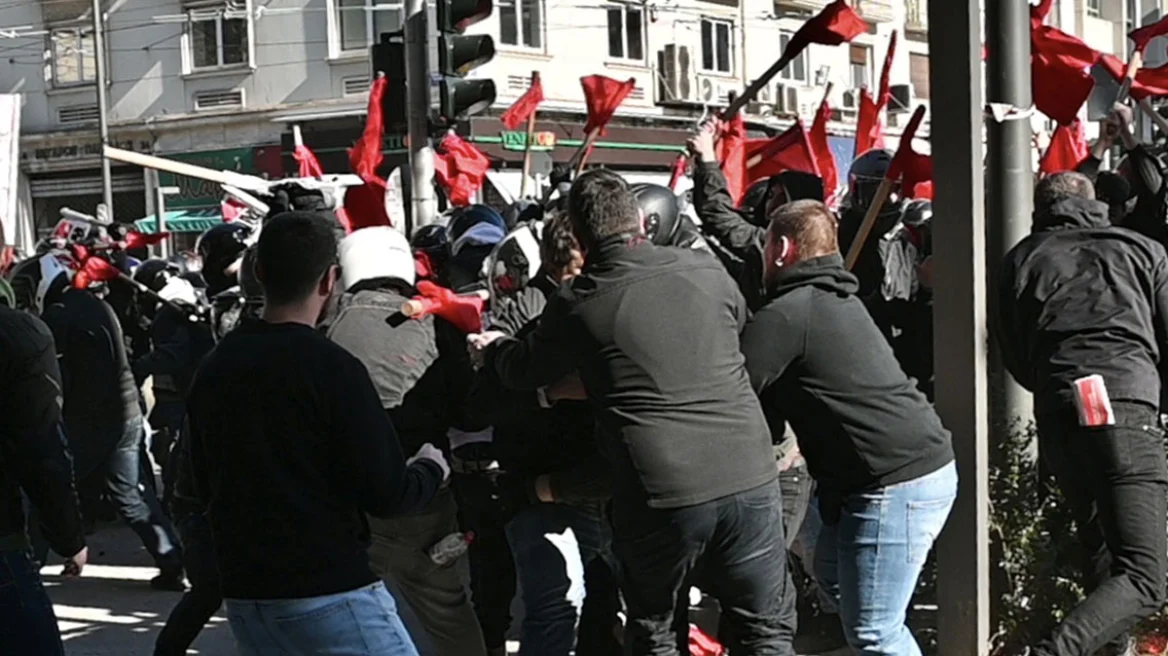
column 376, row 252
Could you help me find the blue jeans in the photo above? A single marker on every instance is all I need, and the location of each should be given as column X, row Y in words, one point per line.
column 27, row 622
column 552, row 544
column 361, row 622
column 870, row 561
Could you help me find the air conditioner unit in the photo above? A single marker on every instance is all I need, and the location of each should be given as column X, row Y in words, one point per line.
column 787, row 100
column 851, row 100
column 901, row 98
column 711, row 92
column 675, row 81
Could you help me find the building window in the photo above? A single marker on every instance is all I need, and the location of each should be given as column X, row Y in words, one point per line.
column 360, row 23
column 860, row 67
column 797, row 70
column 626, row 31
column 73, row 56
column 218, row 38
column 918, row 72
column 1132, row 14
column 717, row 45
column 521, row 23
column 1095, row 8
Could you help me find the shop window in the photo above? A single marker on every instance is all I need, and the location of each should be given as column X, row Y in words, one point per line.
column 218, row 37
column 521, row 23
column 358, row 24
column 626, row 32
column 717, row 46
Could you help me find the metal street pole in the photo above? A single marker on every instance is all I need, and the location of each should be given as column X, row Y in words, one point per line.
column 959, row 312
column 107, row 189
column 423, row 200
column 1009, row 181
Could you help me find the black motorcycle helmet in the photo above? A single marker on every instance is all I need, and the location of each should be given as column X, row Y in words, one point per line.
column 249, row 284
column 864, row 178
column 431, row 237
column 755, row 196
column 918, row 220
column 661, row 210
column 219, row 248
column 153, row 274
column 522, row 211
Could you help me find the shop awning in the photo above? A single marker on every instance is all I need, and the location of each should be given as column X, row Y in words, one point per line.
column 195, row 220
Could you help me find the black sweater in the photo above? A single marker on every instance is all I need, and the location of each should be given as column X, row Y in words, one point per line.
column 653, row 332
column 289, row 446
column 33, row 456
column 815, row 356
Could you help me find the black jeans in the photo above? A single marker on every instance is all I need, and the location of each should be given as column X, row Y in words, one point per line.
column 1115, row 479
column 204, row 597
column 492, row 567
column 734, row 544
column 27, row 622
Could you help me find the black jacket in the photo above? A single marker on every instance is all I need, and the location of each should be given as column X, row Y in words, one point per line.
column 530, row 440
column 1080, row 297
column 33, row 455
column 1150, row 187
column 179, row 344
column 815, row 355
column 653, row 333
column 420, row 368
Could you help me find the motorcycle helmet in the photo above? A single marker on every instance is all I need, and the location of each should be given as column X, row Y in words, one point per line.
column 522, row 211
column 463, row 219
column 35, row 278
column 219, row 248
column 865, row 175
column 373, row 253
column 917, row 219
column 661, row 211
column 515, row 261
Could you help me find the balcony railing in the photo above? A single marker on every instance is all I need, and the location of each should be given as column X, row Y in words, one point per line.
column 916, row 16
column 877, row 11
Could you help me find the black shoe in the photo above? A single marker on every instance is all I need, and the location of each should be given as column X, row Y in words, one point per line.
column 169, row 581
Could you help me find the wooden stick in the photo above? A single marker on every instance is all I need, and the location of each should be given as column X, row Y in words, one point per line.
column 527, row 144
column 882, row 194
column 1133, row 67
column 414, row 307
column 581, row 155
column 246, row 182
column 754, row 87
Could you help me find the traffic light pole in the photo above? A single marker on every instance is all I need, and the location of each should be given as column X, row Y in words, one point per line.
column 425, row 204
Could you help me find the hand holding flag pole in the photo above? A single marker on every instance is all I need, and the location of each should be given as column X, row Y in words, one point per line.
column 891, row 177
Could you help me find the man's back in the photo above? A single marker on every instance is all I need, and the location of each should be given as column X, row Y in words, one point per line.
column 289, row 447
column 1080, row 297
column 659, row 353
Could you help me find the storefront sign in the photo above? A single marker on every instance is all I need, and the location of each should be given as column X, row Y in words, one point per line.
column 518, row 140
column 82, row 150
column 196, row 193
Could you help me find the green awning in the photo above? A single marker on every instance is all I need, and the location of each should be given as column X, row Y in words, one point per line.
column 183, row 221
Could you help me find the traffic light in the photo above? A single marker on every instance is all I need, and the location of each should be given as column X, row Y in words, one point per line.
column 459, row 54
column 389, row 57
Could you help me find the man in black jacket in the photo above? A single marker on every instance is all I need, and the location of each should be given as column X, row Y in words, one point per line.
column 881, row 457
column 1082, row 319
column 289, row 447
column 33, row 458
column 653, row 333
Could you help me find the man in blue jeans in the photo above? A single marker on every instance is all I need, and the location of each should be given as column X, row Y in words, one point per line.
column 289, row 447
column 882, row 459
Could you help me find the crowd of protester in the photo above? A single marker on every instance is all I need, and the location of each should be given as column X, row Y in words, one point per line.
column 610, row 397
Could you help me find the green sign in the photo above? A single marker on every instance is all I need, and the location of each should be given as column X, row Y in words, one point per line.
column 518, row 141
column 197, row 193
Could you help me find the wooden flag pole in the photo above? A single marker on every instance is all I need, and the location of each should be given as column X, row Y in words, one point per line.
column 581, row 156
column 1133, row 66
column 882, row 194
column 527, row 143
column 770, row 151
column 754, row 87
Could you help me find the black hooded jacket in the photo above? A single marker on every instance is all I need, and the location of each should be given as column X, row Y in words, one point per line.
column 179, row 344
column 1081, row 297
column 816, row 357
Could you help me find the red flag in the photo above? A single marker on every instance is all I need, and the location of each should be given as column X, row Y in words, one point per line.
column 732, row 155
column 789, row 151
column 460, row 168
column 92, row 268
column 231, row 209
column 364, row 206
column 914, row 170
column 678, row 172
column 1149, row 82
column 869, row 121
column 701, row 644
column 824, row 159
column 1037, row 14
column 837, row 23
column 365, row 156
column 525, row 106
column 1141, row 36
column 1060, row 68
column 603, row 95
column 307, row 164
column 135, row 239
column 1067, row 149
column 464, row 311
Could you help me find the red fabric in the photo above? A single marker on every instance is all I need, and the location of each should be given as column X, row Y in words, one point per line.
column 1038, row 14
column 232, row 209
column 824, row 159
column 1149, row 82
column 525, row 106
column 732, row 155
column 1141, row 36
column 837, row 23
column 7, row 259
column 678, row 172
column 789, row 151
column 135, row 239
column 1068, row 148
column 306, row 163
column 465, row 312
column 423, row 267
column 1060, row 72
column 701, row 644
column 870, row 120
column 914, row 170
column 91, row 268
column 460, row 168
column 364, row 206
column 603, row 95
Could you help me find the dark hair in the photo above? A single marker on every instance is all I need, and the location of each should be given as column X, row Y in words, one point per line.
column 600, row 205
column 556, row 244
column 1059, row 186
column 295, row 250
column 808, row 223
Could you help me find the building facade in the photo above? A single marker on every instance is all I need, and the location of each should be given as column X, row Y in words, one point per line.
column 222, row 82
